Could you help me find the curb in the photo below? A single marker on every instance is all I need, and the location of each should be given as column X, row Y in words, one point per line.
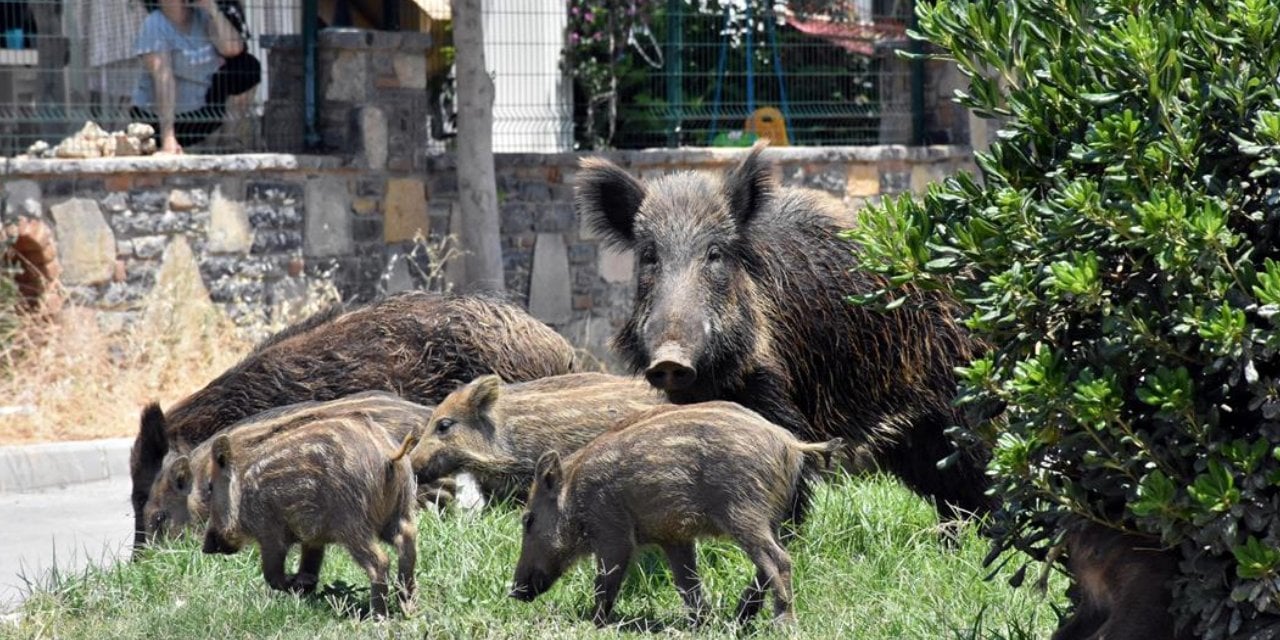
column 32, row 467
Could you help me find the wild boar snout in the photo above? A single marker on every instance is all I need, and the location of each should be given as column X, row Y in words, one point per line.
column 531, row 585
column 671, row 368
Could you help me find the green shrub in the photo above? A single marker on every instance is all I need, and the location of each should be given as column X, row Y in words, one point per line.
column 1120, row 256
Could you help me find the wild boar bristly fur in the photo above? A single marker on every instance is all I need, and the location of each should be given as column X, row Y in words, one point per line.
column 419, row 345
column 339, row 481
column 668, row 477
column 179, row 497
column 498, row 431
column 741, row 295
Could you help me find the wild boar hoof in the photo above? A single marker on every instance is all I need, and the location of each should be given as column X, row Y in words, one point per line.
column 303, row 583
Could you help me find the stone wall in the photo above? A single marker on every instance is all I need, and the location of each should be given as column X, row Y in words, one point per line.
column 261, row 225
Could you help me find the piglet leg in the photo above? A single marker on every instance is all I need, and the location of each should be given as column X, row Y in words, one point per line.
column 273, row 556
column 373, row 560
column 611, row 568
column 406, row 543
column 308, row 575
column 683, row 559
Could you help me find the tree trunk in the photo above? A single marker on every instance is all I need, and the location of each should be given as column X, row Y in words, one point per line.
column 477, row 188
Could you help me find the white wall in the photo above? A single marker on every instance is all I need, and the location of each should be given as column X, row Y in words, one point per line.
column 533, row 106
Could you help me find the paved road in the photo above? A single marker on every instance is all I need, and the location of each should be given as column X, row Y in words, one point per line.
column 81, row 524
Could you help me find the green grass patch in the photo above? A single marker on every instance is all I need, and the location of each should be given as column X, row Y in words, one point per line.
column 869, row 564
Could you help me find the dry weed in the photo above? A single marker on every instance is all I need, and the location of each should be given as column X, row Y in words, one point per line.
column 67, row 378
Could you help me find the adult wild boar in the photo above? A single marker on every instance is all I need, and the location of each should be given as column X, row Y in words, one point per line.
column 741, row 295
column 671, row 476
column 497, row 432
column 340, row 481
column 417, row 344
column 179, row 497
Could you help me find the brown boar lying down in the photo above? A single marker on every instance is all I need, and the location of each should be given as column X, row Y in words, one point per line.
column 1122, row 587
column 417, row 344
column 497, row 432
column 675, row 474
column 339, row 481
column 179, row 497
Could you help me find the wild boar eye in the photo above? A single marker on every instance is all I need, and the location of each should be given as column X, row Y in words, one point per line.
column 444, row 426
column 528, row 521
column 714, row 254
column 648, row 255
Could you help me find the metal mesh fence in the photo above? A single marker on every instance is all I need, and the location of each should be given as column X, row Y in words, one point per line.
column 568, row 74
column 720, row 72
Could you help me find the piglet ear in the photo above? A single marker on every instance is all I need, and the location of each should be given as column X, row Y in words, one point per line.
column 180, row 474
column 607, row 199
column 548, row 471
column 749, row 186
column 485, row 392
column 222, row 452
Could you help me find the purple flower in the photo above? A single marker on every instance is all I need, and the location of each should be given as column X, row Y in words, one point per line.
column 590, row 17
column 574, row 11
column 574, row 37
column 597, row 36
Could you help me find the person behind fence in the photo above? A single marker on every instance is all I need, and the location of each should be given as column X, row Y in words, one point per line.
column 194, row 59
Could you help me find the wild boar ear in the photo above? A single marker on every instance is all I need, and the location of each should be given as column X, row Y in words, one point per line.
column 180, row 474
column 222, row 452
column 152, row 442
column 607, row 199
column 547, row 471
column 749, row 185
column 485, row 393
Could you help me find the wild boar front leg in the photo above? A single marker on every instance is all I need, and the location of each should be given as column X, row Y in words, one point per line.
column 612, row 560
column 273, row 554
column 683, row 559
column 373, row 560
column 308, row 575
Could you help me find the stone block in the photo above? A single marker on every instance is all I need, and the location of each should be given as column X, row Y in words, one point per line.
column 85, row 242
column 327, row 224
column 23, row 198
column 862, row 181
column 411, row 70
column 229, row 228
column 348, row 78
column 405, row 210
column 373, row 137
column 617, row 267
column 550, row 297
column 181, row 200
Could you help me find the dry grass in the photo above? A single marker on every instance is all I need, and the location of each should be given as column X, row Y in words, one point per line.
column 67, row 378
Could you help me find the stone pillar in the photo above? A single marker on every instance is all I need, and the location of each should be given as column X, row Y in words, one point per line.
column 373, row 96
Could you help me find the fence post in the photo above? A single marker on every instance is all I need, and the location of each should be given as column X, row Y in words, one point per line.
column 916, row 47
column 675, row 70
column 310, row 74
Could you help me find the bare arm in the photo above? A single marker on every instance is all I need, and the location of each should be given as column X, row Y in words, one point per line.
column 225, row 37
column 157, row 64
